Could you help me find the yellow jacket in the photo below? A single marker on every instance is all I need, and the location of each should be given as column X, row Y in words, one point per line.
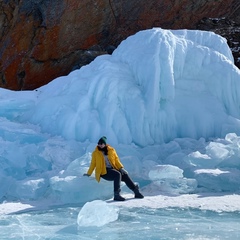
column 98, row 162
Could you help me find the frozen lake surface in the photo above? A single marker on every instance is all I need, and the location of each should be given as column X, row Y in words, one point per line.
column 156, row 217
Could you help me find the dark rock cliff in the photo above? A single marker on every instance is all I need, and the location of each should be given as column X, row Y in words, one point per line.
column 43, row 39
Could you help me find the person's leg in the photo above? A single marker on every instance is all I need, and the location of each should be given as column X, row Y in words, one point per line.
column 115, row 176
column 132, row 186
column 128, row 181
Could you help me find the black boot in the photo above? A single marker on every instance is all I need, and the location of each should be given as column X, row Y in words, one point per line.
column 137, row 193
column 118, row 197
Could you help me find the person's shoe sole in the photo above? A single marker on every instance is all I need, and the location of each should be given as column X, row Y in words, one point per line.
column 139, row 196
column 119, row 199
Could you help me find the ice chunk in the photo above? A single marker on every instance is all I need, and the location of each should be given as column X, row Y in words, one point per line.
column 168, row 178
column 97, row 213
column 173, row 186
column 165, row 171
column 73, row 189
column 30, row 189
column 218, row 180
column 79, row 166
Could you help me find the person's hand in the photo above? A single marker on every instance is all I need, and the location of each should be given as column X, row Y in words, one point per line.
column 123, row 171
column 85, row 174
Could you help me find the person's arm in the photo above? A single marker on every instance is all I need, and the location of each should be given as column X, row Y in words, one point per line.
column 91, row 167
column 118, row 163
column 123, row 171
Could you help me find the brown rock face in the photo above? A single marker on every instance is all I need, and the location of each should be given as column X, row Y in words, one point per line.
column 43, row 39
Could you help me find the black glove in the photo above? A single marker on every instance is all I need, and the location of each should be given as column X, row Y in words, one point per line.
column 85, row 174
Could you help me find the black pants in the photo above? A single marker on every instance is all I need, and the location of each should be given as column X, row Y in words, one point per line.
column 116, row 176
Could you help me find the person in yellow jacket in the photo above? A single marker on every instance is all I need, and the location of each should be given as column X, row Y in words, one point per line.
column 107, row 165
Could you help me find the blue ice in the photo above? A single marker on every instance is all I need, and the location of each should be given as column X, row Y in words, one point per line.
column 169, row 102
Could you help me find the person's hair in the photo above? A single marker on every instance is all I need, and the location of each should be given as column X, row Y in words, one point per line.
column 104, row 150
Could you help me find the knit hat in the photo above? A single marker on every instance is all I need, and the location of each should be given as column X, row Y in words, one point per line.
column 102, row 140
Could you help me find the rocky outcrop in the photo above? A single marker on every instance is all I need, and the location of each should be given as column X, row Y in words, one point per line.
column 226, row 28
column 43, row 39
